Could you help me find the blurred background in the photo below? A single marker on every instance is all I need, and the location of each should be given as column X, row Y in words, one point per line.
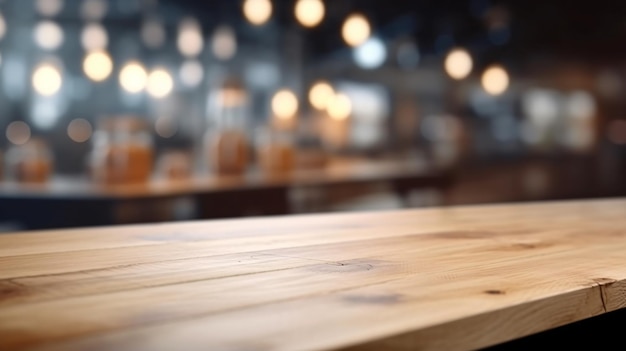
column 135, row 111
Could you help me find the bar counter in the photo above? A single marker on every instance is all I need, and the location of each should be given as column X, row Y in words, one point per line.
column 454, row 278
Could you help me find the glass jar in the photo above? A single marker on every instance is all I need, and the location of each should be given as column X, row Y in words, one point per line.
column 275, row 151
column 226, row 140
column 122, row 151
column 30, row 162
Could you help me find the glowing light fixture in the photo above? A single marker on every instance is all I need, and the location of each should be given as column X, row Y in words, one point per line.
column 133, row 77
column 224, row 43
column 191, row 73
column 284, row 104
column 257, row 12
column 47, row 80
column 190, row 42
column 356, row 30
column 495, row 80
column 371, row 54
column 309, row 13
column 458, row 64
column 48, row 35
column 160, row 83
column 94, row 37
column 340, row 107
column 97, row 65
column 320, row 94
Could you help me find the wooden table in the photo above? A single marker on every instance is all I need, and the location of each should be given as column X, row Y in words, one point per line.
column 455, row 278
column 66, row 202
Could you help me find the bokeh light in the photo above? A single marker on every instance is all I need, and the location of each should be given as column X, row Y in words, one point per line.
column 495, row 80
column 371, row 54
column 309, row 13
column 160, row 83
column 224, row 43
column 94, row 37
column 257, row 12
column 320, row 95
column 152, row 33
column 47, row 79
column 458, row 64
column 18, row 133
column 3, row 26
column 340, row 107
column 79, row 130
column 49, row 8
column 133, row 77
column 93, row 10
column 355, row 30
column 190, row 42
column 191, row 73
column 97, row 65
column 48, row 35
column 165, row 127
column 284, row 104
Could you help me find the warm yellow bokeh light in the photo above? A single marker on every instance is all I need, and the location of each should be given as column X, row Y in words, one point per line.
column 160, row 83
column 133, row 77
column 320, row 94
column 356, row 30
column 339, row 107
column 309, row 12
column 18, row 133
column 257, row 12
column 284, row 104
column 458, row 64
column 495, row 80
column 97, row 66
column 47, row 80
column 79, row 130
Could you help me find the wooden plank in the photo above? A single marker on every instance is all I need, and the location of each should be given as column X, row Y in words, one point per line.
column 455, row 278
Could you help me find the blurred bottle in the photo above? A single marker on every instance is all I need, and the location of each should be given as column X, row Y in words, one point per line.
column 175, row 165
column 227, row 141
column 275, row 150
column 122, row 151
column 31, row 162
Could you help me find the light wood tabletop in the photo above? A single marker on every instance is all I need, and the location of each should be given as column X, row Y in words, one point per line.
column 455, row 278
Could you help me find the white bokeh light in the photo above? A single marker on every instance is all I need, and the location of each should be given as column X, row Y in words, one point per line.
column 48, row 8
column 371, row 54
column 48, row 35
column 152, row 33
column 3, row 26
column 94, row 37
column 458, row 64
column 191, row 73
column 224, row 43
column 93, row 10
column 190, row 42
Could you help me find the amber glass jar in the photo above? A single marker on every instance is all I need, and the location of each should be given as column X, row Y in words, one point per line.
column 275, row 151
column 122, row 151
column 226, row 140
column 29, row 163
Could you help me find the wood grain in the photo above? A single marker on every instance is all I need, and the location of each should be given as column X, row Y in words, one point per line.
column 455, row 278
